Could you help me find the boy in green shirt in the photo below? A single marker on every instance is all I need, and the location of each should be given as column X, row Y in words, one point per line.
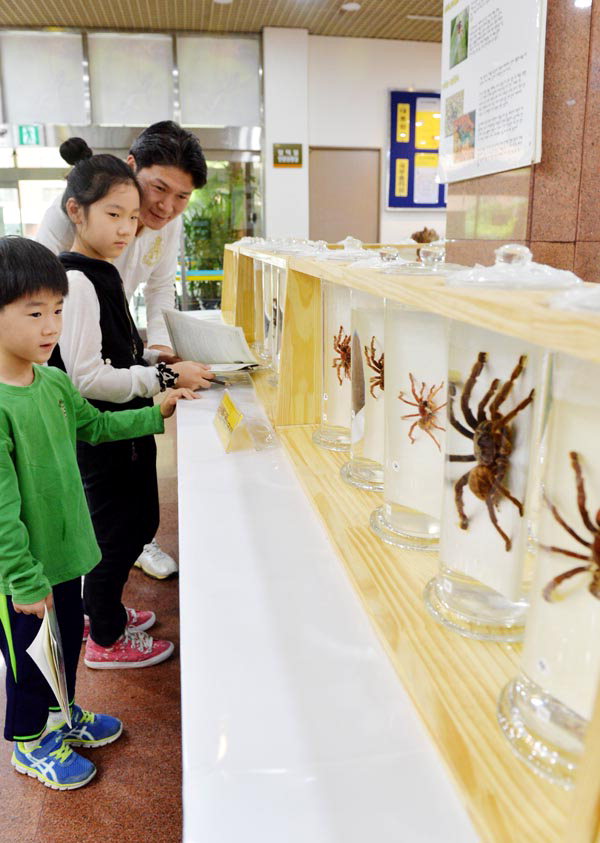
column 47, row 540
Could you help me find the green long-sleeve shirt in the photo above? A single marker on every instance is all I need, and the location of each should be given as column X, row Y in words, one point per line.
column 46, row 533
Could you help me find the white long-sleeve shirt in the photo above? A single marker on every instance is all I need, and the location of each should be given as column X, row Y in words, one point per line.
column 151, row 259
column 81, row 350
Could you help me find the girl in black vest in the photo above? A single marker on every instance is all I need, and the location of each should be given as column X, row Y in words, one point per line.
column 103, row 354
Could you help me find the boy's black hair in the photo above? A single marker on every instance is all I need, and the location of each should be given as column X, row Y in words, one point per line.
column 26, row 267
column 92, row 176
column 169, row 145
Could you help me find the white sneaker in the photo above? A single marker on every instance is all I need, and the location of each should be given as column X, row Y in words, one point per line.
column 155, row 562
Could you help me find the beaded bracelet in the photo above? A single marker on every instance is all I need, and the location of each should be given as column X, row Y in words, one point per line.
column 166, row 376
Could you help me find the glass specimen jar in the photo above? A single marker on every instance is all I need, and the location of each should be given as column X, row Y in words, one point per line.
column 263, row 312
column 545, row 710
column 415, row 423
column 279, row 282
column 365, row 466
column 495, row 383
column 333, row 432
column 258, row 345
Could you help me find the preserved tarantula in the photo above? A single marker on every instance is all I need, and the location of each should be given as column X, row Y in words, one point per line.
column 427, row 409
column 341, row 344
column 377, row 365
column 492, row 443
column 593, row 558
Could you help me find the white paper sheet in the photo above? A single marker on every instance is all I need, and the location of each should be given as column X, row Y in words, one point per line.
column 46, row 651
column 223, row 347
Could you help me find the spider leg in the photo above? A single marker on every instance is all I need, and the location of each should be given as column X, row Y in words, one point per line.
column 434, row 391
column 458, row 499
column 435, row 409
column 410, row 416
column 553, row 584
column 504, row 420
column 503, row 394
column 437, row 426
column 581, row 498
column 410, row 436
column 468, row 389
column 461, row 458
column 413, row 387
column 412, row 403
column 429, row 433
column 489, row 501
column 564, row 552
column 508, row 495
column 453, row 420
column 564, row 524
column 481, row 406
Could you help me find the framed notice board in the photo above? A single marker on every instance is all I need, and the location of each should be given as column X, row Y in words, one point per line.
column 415, row 128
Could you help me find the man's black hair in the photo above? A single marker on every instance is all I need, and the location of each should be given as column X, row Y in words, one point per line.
column 92, row 176
column 27, row 267
column 168, row 145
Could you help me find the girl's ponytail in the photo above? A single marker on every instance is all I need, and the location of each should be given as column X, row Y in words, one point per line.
column 92, row 176
column 75, row 150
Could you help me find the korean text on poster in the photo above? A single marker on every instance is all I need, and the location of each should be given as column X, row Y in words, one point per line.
column 492, row 75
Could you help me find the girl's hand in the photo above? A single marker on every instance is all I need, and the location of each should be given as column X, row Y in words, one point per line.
column 35, row 608
column 167, row 405
column 192, row 375
column 169, row 359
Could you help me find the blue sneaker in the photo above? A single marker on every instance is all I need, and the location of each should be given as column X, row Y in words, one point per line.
column 53, row 763
column 89, row 729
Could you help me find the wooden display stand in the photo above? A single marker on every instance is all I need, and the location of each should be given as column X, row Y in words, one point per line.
column 454, row 682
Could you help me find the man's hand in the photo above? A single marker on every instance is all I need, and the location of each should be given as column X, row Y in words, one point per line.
column 35, row 608
column 193, row 375
column 167, row 405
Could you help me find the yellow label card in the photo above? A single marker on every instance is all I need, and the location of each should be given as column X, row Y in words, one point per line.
column 401, row 187
column 426, row 159
column 228, row 420
column 403, row 122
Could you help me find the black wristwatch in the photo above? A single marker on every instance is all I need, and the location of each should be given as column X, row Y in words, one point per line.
column 167, row 378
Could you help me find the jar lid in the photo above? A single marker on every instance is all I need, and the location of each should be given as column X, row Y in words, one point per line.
column 514, row 269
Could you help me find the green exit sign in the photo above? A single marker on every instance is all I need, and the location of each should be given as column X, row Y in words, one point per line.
column 30, row 136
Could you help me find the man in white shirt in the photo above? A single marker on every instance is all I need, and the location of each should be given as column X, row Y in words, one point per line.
column 169, row 164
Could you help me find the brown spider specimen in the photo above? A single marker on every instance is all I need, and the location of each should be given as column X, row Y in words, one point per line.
column 593, row 559
column 377, row 365
column 341, row 344
column 427, row 409
column 492, row 443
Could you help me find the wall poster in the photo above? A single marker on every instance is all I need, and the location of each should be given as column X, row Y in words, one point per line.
column 492, row 81
column 413, row 180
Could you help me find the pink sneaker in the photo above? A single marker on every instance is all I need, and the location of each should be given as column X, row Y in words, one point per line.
column 135, row 648
column 138, row 620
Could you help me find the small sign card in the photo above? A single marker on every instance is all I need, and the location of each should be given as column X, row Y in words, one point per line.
column 287, row 154
column 229, row 422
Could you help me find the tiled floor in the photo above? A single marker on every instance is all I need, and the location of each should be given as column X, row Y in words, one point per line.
column 136, row 795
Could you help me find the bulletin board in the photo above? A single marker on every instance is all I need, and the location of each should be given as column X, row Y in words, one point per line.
column 415, row 122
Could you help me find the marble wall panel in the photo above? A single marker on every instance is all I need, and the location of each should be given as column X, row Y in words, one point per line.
column 555, row 200
column 589, row 196
column 490, row 208
column 587, row 260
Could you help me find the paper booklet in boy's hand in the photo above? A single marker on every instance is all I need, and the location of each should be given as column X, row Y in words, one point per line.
column 46, row 651
column 222, row 347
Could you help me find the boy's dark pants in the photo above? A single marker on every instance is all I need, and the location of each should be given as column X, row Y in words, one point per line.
column 120, row 484
column 28, row 695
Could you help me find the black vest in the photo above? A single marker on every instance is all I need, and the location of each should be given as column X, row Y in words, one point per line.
column 122, row 345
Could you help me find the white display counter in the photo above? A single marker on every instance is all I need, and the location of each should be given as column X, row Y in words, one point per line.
column 295, row 725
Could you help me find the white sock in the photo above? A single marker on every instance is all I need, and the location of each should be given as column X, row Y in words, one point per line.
column 55, row 720
column 28, row 746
